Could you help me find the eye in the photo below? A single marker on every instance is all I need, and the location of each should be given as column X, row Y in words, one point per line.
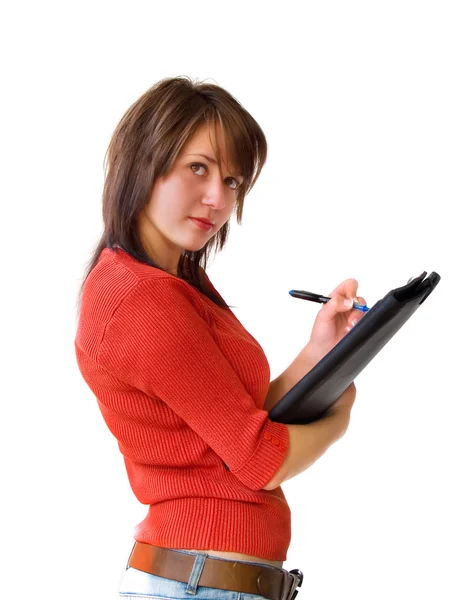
column 195, row 169
column 197, row 166
column 235, row 181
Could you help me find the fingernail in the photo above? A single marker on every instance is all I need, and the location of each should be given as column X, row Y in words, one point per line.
column 354, row 323
column 348, row 302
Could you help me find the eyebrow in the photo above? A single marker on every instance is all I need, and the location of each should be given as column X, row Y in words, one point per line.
column 209, row 159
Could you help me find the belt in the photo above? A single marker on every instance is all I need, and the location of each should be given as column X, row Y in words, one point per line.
column 269, row 582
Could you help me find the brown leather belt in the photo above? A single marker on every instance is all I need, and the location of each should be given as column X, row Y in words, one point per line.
column 272, row 583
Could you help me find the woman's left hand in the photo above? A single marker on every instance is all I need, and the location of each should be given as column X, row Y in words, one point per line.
column 334, row 320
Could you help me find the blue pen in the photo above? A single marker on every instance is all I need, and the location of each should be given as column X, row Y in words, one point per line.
column 321, row 299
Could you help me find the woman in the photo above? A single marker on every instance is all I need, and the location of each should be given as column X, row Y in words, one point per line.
column 181, row 384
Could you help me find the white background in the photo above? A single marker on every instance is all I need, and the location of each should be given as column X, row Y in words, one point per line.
column 356, row 100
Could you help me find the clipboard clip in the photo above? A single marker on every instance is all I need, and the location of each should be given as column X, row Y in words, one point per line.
column 417, row 285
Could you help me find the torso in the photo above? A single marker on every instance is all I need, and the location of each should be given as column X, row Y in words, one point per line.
column 236, row 556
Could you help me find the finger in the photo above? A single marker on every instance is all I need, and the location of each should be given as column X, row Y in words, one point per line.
column 337, row 304
column 347, row 288
column 356, row 315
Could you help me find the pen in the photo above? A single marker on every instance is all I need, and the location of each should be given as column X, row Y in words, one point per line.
column 321, row 299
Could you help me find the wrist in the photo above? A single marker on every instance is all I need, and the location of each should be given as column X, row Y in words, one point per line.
column 313, row 354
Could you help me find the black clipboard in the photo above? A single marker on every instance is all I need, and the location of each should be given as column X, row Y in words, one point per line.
column 317, row 391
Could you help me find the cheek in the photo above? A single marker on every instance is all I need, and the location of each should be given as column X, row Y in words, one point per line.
column 231, row 201
column 170, row 198
column 181, row 192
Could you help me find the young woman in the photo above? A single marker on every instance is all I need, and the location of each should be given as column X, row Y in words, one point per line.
column 181, row 384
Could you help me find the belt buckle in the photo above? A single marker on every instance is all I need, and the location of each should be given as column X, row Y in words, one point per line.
column 296, row 583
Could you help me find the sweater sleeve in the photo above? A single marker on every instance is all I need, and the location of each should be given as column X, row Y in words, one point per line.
column 166, row 349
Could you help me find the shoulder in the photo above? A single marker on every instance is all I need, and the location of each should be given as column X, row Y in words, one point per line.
column 123, row 297
column 117, row 268
column 119, row 279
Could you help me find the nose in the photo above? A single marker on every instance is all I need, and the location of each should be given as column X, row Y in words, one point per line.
column 214, row 195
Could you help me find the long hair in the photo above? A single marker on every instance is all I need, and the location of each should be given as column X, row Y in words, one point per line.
column 145, row 145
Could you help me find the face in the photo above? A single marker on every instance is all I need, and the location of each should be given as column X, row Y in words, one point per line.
column 196, row 186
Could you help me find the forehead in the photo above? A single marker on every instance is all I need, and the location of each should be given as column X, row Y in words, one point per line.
column 206, row 136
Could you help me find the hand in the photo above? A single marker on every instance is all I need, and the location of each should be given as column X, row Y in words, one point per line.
column 345, row 401
column 334, row 320
column 341, row 409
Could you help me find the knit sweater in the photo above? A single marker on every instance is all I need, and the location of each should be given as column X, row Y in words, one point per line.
column 181, row 385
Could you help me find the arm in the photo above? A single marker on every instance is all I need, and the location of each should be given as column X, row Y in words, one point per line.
column 158, row 341
column 332, row 321
column 308, row 442
column 302, row 364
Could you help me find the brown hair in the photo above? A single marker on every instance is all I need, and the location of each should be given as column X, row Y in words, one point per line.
column 145, row 145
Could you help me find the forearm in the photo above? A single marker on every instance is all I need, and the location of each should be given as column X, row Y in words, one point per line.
column 294, row 372
column 307, row 443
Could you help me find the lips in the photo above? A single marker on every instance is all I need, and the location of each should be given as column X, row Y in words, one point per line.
column 206, row 226
column 207, row 221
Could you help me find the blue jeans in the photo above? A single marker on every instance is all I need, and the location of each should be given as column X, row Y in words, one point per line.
column 137, row 584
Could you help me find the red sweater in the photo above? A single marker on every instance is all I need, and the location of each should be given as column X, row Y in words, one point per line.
column 181, row 385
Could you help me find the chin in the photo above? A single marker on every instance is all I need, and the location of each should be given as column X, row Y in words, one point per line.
column 194, row 247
